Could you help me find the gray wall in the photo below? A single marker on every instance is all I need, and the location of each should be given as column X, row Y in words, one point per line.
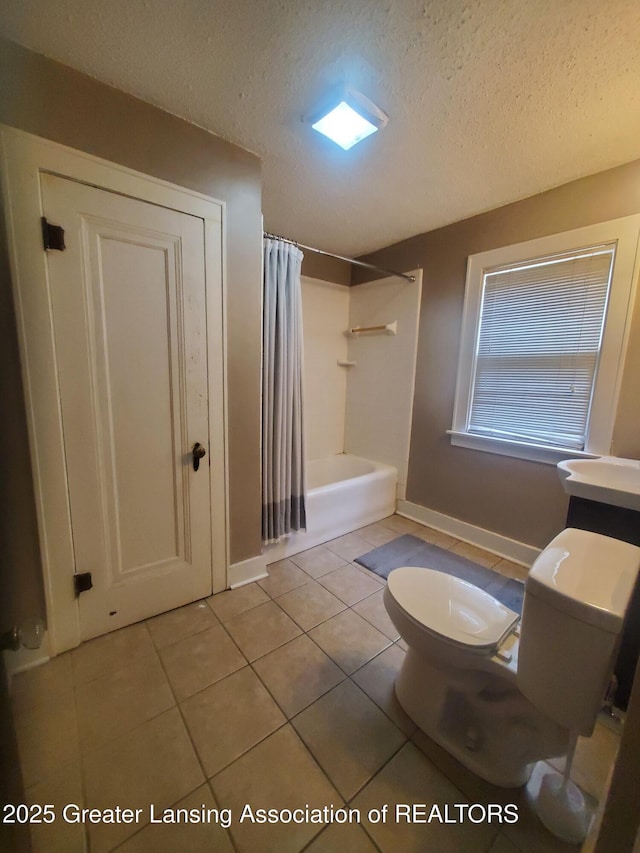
column 22, row 591
column 517, row 498
column 52, row 101
column 325, row 268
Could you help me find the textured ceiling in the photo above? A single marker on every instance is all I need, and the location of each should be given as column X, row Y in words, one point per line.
column 489, row 100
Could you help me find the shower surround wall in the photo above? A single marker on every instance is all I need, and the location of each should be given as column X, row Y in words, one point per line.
column 380, row 385
column 356, row 418
column 365, row 409
column 325, row 317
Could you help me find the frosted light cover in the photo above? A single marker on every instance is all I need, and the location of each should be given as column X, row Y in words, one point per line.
column 344, row 126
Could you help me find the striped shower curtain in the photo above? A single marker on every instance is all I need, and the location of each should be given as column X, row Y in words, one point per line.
column 283, row 508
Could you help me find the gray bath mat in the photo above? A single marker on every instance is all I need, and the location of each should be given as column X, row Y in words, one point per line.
column 410, row 551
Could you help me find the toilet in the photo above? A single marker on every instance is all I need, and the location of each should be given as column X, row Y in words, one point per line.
column 500, row 692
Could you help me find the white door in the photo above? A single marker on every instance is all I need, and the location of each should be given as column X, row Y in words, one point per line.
column 128, row 306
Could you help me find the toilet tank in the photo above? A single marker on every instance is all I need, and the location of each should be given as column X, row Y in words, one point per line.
column 576, row 597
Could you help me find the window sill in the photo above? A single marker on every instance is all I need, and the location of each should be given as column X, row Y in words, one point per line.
column 517, row 449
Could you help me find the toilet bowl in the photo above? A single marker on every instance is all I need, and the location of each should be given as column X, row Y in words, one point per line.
column 499, row 692
column 458, row 680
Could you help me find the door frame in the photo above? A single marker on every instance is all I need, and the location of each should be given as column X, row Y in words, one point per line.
column 24, row 158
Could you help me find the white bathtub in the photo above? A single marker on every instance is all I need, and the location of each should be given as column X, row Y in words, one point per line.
column 343, row 493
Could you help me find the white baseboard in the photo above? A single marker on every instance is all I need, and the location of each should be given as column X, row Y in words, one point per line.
column 510, row 549
column 253, row 569
column 24, row 659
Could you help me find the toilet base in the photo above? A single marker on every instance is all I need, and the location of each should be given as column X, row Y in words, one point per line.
column 480, row 719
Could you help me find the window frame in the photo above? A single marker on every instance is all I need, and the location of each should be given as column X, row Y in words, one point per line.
column 625, row 232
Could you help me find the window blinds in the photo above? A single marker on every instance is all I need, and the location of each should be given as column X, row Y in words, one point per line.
column 537, row 351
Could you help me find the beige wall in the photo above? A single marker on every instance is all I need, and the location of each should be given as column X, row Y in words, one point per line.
column 519, row 499
column 52, row 101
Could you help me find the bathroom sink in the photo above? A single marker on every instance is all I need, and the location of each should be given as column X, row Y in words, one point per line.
column 608, row 480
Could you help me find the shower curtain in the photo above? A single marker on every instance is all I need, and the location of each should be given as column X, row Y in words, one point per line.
column 283, row 508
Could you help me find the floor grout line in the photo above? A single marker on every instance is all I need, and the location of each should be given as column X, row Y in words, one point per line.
column 193, row 746
column 288, row 720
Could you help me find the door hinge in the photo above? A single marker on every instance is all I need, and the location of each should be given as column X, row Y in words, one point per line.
column 52, row 236
column 82, row 582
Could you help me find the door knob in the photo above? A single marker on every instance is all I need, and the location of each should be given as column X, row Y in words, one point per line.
column 197, row 452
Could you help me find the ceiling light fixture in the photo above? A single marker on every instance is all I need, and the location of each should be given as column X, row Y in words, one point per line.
column 349, row 119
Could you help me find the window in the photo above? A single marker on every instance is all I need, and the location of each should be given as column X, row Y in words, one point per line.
column 542, row 343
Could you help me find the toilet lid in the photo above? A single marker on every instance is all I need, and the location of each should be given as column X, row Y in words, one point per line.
column 451, row 607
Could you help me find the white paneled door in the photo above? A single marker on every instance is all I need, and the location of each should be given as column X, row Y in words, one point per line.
column 129, row 318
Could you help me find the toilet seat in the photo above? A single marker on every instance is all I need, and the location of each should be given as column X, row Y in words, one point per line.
column 451, row 608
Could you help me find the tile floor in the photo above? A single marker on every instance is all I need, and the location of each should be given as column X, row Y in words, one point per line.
column 279, row 694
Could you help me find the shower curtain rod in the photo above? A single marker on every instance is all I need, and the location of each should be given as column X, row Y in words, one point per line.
column 403, row 275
